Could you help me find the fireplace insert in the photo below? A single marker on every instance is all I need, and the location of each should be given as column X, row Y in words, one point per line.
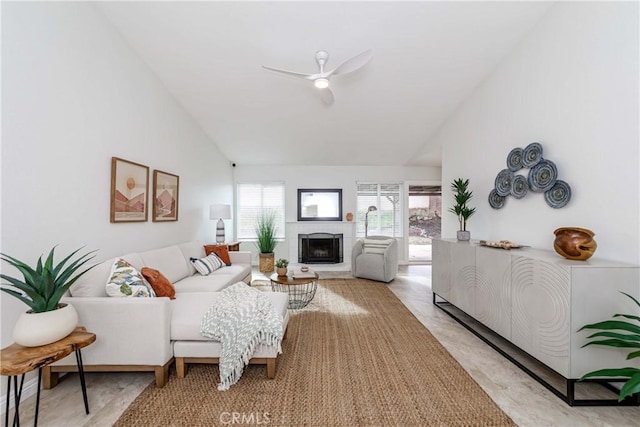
column 320, row 248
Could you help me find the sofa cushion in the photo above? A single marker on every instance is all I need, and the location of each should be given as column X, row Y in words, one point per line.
column 188, row 309
column 169, row 260
column 126, row 281
column 190, row 250
column 160, row 284
column 221, row 250
column 91, row 284
column 198, row 283
column 208, row 264
column 376, row 246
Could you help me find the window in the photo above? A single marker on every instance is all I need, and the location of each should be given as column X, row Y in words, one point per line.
column 253, row 200
column 387, row 219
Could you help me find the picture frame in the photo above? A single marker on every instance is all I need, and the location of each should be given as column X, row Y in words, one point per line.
column 166, row 187
column 320, row 204
column 129, row 191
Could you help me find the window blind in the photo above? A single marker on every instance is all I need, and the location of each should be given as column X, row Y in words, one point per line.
column 254, row 199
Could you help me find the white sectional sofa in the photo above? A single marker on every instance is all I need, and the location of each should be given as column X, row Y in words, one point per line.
column 136, row 334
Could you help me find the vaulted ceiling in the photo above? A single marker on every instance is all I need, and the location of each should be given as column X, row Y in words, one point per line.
column 428, row 57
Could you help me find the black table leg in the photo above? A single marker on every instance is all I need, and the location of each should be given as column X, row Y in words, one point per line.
column 35, row 420
column 6, row 413
column 82, row 383
column 17, row 395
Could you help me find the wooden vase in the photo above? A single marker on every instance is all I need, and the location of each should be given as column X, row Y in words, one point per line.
column 282, row 271
column 574, row 243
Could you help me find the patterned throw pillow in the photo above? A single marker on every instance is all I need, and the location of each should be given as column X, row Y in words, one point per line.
column 376, row 246
column 222, row 251
column 126, row 281
column 208, row 264
column 160, row 284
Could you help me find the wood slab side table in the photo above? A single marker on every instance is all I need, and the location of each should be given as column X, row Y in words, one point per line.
column 18, row 360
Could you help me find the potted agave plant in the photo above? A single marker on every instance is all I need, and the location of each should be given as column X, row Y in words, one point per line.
column 460, row 209
column 266, row 234
column 619, row 334
column 41, row 289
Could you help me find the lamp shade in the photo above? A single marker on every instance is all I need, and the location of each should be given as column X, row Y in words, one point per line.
column 219, row 212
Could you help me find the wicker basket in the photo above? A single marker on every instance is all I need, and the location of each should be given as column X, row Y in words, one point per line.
column 266, row 263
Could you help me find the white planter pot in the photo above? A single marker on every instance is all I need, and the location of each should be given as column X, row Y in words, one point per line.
column 464, row 236
column 35, row 329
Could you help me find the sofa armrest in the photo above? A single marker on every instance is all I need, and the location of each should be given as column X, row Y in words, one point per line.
column 357, row 250
column 129, row 331
column 240, row 257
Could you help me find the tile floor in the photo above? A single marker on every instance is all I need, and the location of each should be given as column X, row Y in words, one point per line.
column 524, row 400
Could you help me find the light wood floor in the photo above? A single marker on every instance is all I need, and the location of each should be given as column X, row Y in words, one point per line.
column 524, row 400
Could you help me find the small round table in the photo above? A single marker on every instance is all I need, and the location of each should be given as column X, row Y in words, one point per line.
column 301, row 290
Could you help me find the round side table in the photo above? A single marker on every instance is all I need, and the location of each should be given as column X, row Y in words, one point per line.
column 301, row 291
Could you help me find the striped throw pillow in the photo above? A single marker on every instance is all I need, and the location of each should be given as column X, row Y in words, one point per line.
column 376, row 246
column 208, row 264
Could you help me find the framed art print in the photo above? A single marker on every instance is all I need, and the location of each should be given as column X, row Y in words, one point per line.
column 129, row 189
column 165, row 196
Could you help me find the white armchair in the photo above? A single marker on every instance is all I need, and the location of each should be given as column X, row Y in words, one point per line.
column 375, row 258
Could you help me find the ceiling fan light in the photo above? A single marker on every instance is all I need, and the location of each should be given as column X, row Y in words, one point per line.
column 321, row 83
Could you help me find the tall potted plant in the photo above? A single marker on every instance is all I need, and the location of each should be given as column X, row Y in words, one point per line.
column 41, row 289
column 618, row 334
column 266, row 234
column 461, row 209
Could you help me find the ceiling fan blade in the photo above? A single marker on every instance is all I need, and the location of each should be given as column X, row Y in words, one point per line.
column 327, row 96
column 354, row 63
column 291, row 73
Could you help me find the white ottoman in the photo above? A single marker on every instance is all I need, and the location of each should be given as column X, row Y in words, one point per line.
column 191, row 347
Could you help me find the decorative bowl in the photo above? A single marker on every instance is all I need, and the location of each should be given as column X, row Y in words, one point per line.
column 575, row 243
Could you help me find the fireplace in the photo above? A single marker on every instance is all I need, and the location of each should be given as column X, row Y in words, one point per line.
column 320, row 248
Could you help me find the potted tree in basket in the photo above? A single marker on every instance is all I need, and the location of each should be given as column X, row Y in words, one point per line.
column 266, row 234
column 41, row 289
column 463, row 212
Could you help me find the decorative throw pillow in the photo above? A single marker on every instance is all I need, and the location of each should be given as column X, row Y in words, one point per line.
column 208, row 264
column 221, row 250
column 376, row 246
column 160, row 284
column 126, row 281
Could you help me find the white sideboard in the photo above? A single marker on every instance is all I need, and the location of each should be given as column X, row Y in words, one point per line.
column 538, row 300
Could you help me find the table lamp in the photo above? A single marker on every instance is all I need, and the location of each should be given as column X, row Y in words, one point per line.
column 220, row 212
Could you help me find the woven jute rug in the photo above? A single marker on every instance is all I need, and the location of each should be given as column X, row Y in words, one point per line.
column 355, row 356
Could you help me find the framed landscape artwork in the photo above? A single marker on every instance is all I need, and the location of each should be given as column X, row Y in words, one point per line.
column 165, row 196
column 129, row 189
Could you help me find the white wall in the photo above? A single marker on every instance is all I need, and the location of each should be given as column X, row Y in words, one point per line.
column 344, row 177
column 572, row 85
column 74, row 95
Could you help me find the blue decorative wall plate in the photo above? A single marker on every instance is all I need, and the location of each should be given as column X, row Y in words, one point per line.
column 519, row 186
column 503, row 182
column 514, row 159
column 559, row 195
column 532, row 155
column 543, row 176
column 496, row 201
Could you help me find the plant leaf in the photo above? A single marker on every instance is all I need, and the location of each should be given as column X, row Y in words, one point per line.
column 627, row 372
column 630, row 387
column 633, row 355
column 613, row 324
column 627, row 337
column 20, row 297
column 613, row 343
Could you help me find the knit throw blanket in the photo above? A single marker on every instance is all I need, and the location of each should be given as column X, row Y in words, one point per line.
column 240, row 319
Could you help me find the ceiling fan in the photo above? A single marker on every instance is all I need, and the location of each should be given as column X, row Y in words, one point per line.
column 321, row 80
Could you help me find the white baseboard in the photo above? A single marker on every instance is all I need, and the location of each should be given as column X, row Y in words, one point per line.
column 29, row 389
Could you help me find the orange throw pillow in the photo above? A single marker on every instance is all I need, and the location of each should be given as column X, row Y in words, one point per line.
column 221, row 250
column 160, row 284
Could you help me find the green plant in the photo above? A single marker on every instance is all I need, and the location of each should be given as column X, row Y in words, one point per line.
column 43, row 286
column 282, row 263
column 462, row 196
column 622, row 334
column 266, row 232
